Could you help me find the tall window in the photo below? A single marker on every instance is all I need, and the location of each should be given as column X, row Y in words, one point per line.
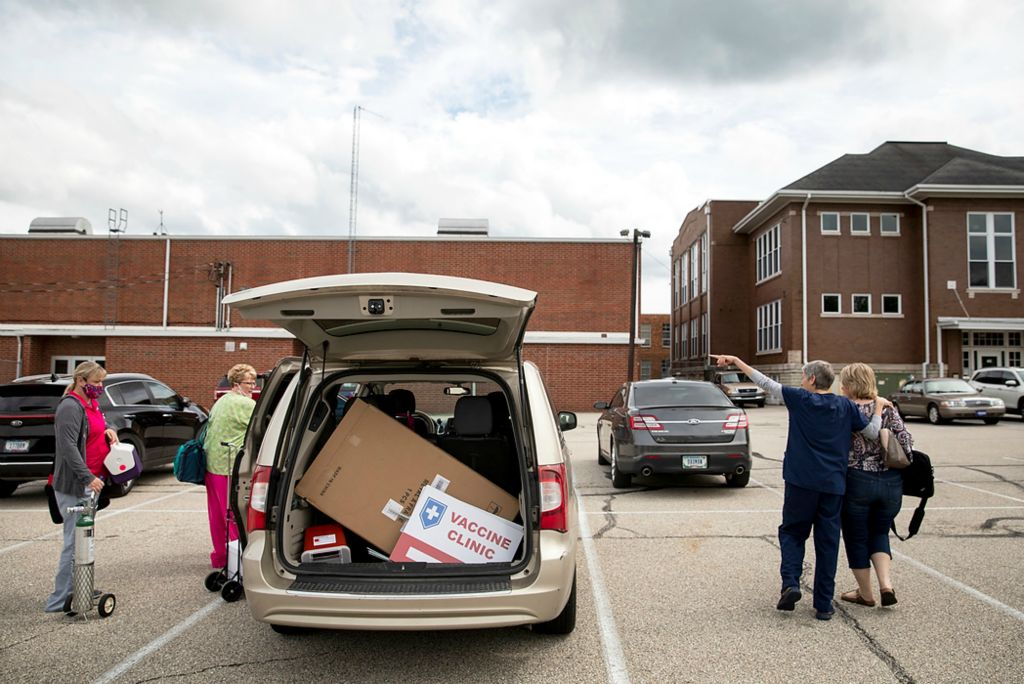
column 694, row 331
column 684, row 277
column 767, row 253
column 703, row 334
column 694, row 270
column 684, row 331
column 645, row 369
column 769, row 327
column 704, row 262
column 666, row 368
column 990, row 251
column 645, row 334
column 666, row 335
column 678, row 290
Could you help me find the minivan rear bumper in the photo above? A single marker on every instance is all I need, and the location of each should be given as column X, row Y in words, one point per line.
column 538, row 597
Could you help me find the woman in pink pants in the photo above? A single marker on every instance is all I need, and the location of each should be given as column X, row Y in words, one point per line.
column 227, row 424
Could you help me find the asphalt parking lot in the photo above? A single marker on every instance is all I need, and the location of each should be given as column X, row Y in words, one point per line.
column 678, row 582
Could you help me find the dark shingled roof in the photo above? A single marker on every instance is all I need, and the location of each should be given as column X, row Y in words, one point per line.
column 899, row 166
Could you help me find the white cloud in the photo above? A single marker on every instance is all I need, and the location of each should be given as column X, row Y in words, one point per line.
column 562, row 119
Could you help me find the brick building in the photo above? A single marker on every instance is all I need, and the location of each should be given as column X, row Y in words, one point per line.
column 151, row 304
column 904, row 258
column 652, row 355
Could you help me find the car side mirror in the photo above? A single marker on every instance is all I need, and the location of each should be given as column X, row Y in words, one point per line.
column 602, row 405
column 1012, row 383
column 566, row 420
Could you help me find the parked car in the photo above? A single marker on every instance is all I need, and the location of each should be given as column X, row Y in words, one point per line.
column 943, row 399
column 223, row 387
column 738, row 387
column 454, row 345
column 1002, row 383
column 673, row 426
column 145, row 412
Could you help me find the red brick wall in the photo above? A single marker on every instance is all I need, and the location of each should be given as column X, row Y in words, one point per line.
column 582, row 287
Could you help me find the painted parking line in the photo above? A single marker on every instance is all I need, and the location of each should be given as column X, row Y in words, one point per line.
column 100, row 517
column 977, row 489
column 749, row 511
column 158, row 643
column 614, row 660
column 957, row 584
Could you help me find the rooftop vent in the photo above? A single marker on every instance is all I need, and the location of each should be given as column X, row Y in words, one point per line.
column 456, row 226
column 61, row 225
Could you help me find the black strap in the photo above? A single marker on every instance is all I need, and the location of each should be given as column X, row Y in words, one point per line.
column 915, row 521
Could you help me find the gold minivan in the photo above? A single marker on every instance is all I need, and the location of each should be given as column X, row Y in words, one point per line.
column 443, row 357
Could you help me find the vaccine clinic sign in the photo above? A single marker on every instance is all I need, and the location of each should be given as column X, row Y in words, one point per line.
column 443, row 529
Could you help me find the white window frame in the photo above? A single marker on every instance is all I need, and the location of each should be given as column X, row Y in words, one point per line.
column 74, row 360
column 646, row 343
column 694, row 271
column 769, row 327
column 684, row 278
column 899, row 305
column 853, row 303
column 837, row 231
column 704, row 261
column 881, row 225
column 694, row 339
column 990, row 249
column 666, row 334
column 678, row 291
column 867, row 223
column 767, row 254
column 839, row 303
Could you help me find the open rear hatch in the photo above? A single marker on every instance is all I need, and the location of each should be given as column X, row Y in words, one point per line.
column 385, row 335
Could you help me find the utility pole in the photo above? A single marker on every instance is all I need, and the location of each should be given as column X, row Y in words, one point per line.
column 637, row 234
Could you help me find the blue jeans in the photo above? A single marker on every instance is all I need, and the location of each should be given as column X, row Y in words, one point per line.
column 802, row 510
column 62, row 582
column 872, row 502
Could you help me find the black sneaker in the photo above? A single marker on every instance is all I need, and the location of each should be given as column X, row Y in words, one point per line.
column 824, row 614
column 788, row 599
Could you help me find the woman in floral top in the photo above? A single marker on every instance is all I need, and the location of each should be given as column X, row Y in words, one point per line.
column 228, row 422
column 874, row 493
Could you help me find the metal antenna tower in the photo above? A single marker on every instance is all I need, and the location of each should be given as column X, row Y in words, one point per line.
column 353, row 193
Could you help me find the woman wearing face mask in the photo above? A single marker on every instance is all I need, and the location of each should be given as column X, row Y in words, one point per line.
column 228, row 421
column 82, row 442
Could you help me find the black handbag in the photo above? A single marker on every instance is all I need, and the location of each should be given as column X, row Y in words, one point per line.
column 918, row 480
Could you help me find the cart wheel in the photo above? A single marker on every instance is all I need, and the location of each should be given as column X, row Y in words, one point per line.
column 215, row 580
column 106, row 605
column 231, row 592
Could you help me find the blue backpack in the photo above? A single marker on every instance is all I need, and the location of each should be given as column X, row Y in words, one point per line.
column 190, row 461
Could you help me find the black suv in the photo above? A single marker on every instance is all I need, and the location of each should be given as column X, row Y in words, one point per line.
column 145, row 413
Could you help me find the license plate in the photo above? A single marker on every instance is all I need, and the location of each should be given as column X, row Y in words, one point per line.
column 695, row 461
column 16, row 446
column 981, row 413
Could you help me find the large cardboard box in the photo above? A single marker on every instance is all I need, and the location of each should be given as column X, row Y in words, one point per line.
column 372, row 463
column 443, row 529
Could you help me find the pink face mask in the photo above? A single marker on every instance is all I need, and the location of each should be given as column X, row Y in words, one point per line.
column 93, row 391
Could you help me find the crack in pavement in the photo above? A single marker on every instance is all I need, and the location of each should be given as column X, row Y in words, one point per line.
column 1000, row 478
column 223, row 666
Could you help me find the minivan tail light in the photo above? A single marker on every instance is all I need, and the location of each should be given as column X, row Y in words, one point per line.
column 553, row 498
column 256, row 517
column 736, row 421
column 642, row 422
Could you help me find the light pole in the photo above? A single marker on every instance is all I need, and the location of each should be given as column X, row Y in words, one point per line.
column 637, row 234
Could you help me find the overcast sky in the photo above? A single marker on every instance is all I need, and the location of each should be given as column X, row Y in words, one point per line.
column 561, row 119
